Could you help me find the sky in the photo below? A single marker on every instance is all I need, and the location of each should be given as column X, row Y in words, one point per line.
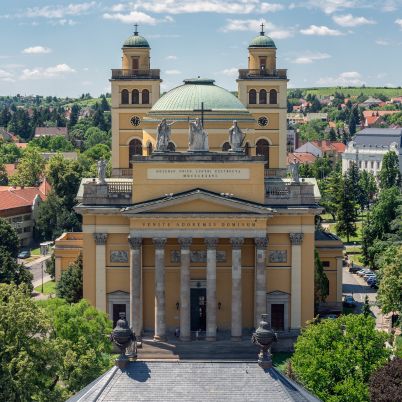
column 66, row 48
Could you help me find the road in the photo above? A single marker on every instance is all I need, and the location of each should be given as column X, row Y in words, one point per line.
column 35, row 268
column 357, row 286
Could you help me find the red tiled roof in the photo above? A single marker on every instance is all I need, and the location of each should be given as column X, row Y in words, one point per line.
column 326, row 145
column 301, row 157
column 50, row 131
column 11, row 198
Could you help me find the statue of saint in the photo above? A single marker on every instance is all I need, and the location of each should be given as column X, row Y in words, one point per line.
column 294, row 171
column 197, row 137
column 236, row 137
column 163, row 135
column 101, row 165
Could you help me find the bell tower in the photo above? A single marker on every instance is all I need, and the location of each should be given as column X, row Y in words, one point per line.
column 135, row 89
column 262, row 88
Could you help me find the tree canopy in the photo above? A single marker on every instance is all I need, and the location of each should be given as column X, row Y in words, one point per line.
column 390, row 175
column 69, row 286
column 29, row 169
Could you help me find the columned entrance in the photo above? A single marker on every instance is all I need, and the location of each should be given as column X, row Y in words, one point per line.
column 198, row 302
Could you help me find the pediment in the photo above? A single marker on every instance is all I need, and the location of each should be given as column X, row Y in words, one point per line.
column 197, row 201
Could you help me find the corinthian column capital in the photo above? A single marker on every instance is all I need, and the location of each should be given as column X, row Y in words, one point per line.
column 236, row 242
column 296, row 238
column 135, row 242
column 159, row 242
column 185, row 242
column 261, row 243
column 211, row 242
column 100, row 238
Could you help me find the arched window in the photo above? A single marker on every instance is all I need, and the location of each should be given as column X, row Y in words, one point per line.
column 262, row 149
column 225, row 147
column 134, row 148
column 252, row 97
column 273, row 97
column 145, row 97
column 263, row 97
column 247, row 149
column 124, row 97
column 135, row 97
column 149, row 149
column 171, row 147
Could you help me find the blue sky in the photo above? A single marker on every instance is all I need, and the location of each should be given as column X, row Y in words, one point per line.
column 65, row 48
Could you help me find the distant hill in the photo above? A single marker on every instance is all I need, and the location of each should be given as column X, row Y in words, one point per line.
column 351, row 91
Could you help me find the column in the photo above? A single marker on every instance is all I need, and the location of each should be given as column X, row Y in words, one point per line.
column 211, row 243
column 236, row 289
column 260, row 304
column 135, row 285
column 339, row 279
column 160, row 320
column 100, row 272
column 185, row 331
column 296, row 240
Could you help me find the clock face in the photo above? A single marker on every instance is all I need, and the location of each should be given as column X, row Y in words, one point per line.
column 262, row 121
column 135, row 121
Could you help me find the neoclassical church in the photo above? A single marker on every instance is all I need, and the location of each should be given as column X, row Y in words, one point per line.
column 199, row 242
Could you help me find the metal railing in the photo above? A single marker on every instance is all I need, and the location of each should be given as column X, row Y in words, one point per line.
column 119, row 187
column 127, row 74
column 262, row 73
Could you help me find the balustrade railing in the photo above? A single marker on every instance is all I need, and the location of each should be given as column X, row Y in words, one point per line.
column 128, row 74
column 122, row 172
column 262, row 73
column 277, row 191
column 119, row 187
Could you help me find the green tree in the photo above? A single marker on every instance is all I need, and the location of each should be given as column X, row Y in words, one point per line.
column 51, row 266
column 29, row 170
column 330, row 189
column 321, row 283
column 390, row 289
column 9, row 239
column 94, row 136
column 352, row 125
column 385, row 383
column 70, row 285
column 390, row 174
column 3, row 175
column 335, row 358
column 75, row 110
column 82, row 331
column 12, row 272
column 332, row 135
column 368, row 189
column 28, row 359
column 366, row 311
column 9, row 152
column 104, row 106
column 346, row 211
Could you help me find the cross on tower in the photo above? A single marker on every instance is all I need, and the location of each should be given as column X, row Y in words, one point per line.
column 136, row 29
column 202, row 110
column 262, row 28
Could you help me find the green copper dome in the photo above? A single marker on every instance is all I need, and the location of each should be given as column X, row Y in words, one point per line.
column 262, row 41
column 136, row 40
column 189, row 96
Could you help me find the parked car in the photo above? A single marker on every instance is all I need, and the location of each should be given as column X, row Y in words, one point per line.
column 374, row 284
column 366, row 277
column 371, row 280
column 354, row 269
column 363, row 272
column 24, row 254
column 329, row 317
column 349, row 301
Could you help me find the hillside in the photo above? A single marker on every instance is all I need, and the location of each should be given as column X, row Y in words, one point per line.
column 352, row 91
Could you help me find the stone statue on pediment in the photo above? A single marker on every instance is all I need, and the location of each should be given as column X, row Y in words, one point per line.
column 101, row 166
column 294, row 171
column 236, row 137
column 197, row 136
column 163, row 134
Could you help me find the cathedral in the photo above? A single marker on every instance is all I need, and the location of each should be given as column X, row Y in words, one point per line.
column 201, row 228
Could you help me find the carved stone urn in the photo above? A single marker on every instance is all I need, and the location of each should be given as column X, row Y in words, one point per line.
column 264, row 337
column 123, row 337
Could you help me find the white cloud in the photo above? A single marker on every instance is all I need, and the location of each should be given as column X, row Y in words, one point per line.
column 171, row 57
column 348, row 78
column 36, row 50
column 382, row 42
column 6, row 76
column 271, row 7
column 230, row 72
column 50, row 72
column 63, row 22
column 59, row 11
column 320, row 31
column 172, row 72
column 331, row 6
column 131, row 18
column 348, row 20
column 253, row 25
column 311, row 57
column 399, row 22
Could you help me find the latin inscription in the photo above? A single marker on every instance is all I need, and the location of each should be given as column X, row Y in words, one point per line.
column 195, row 224
column 199, row 174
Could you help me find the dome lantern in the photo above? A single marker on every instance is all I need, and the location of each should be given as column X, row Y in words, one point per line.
column 262, row 41
column 136, row 40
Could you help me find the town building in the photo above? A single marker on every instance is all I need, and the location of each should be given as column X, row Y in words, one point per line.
column 301, row 157
column 18, row 206
column 333, row 150
column 199, row 231
column 369, row 147
column 50, row 131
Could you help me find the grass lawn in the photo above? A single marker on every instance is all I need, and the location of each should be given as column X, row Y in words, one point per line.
column 326, row 218
column 280, row 358
column 48, row 288
column 352, row 239
column 398, row 351
column 35, row 251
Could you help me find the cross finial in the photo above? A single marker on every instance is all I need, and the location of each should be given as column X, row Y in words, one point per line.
column 136, row 29
column 262, row 28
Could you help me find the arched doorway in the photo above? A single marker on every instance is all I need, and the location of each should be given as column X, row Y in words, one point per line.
column 262, row 149
column 134, row 148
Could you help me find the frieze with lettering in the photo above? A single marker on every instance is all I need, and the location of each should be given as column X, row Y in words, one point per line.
column 276, row 256
column 198, row 224
column 197, row 256
column 119, row 256
column 198, row 174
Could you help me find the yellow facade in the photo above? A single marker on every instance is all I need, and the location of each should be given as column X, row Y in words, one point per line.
column 202, row 242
